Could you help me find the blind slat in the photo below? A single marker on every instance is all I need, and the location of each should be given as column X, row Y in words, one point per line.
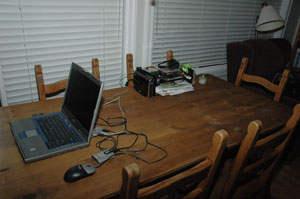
column 55, row 33
column 198, row 30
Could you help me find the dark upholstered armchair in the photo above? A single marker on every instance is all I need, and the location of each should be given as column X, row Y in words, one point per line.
column 267, row 57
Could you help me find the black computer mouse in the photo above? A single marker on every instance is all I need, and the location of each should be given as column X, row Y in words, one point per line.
column 78, row 172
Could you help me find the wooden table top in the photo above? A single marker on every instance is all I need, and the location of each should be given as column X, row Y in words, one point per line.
column 182, row 124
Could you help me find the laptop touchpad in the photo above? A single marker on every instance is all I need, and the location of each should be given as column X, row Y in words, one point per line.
column 31, row 133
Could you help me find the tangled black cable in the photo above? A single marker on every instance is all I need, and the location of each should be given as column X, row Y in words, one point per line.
column 118, row 121
column 109, row 123
column 126, row 150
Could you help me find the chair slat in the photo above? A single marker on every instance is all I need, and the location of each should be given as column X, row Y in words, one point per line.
column 276, row 89
column 195, row 174
column 262, row 163
column 259, row 80
column 55, row 87
column 271, row 140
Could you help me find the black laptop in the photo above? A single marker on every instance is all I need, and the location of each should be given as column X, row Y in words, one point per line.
column 55, row 133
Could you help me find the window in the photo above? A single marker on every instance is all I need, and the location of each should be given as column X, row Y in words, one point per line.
column 55, row 33
column 198, row 30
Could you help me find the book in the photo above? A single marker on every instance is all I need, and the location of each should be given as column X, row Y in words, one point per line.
column 296, row 62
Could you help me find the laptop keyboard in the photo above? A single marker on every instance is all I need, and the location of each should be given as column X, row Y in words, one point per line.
column 56, row 131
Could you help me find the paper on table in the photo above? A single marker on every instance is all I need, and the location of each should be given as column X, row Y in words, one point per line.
column 175, row 88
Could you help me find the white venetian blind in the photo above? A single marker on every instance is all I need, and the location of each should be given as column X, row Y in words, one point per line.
column 55, row 33
column 198, row 30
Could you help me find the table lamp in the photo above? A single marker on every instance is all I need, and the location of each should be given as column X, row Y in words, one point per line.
column 268, row 20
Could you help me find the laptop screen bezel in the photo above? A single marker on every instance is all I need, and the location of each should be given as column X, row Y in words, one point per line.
column 72, row 119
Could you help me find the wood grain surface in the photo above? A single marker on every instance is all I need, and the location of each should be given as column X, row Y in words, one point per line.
column 182, row 124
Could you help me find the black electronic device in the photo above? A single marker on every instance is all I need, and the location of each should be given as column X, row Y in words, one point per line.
column 169, row 71
column 171, row 64
column 78, row 172
column 144, row 82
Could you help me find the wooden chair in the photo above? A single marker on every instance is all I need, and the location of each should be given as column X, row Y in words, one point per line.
column 277, row 89
column 202, row 172
column 57, row 87
column 95, row 68
column 251, row 174
column 50, row 89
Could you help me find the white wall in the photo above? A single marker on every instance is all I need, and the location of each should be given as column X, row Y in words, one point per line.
column 144, row 29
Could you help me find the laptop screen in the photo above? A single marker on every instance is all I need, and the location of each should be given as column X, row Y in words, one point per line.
column 81, row 97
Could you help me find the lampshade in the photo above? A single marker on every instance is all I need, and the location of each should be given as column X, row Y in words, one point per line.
column 269, row 19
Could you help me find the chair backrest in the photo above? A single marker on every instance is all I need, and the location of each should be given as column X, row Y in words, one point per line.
column 277, row 89
column 95, row 68
column 170, row 55
column 43, row 89
column 129, row 64
column 257, row 156
column 203, row 172
column 57, row 87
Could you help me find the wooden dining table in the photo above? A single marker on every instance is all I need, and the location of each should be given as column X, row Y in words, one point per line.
column 183, row 125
